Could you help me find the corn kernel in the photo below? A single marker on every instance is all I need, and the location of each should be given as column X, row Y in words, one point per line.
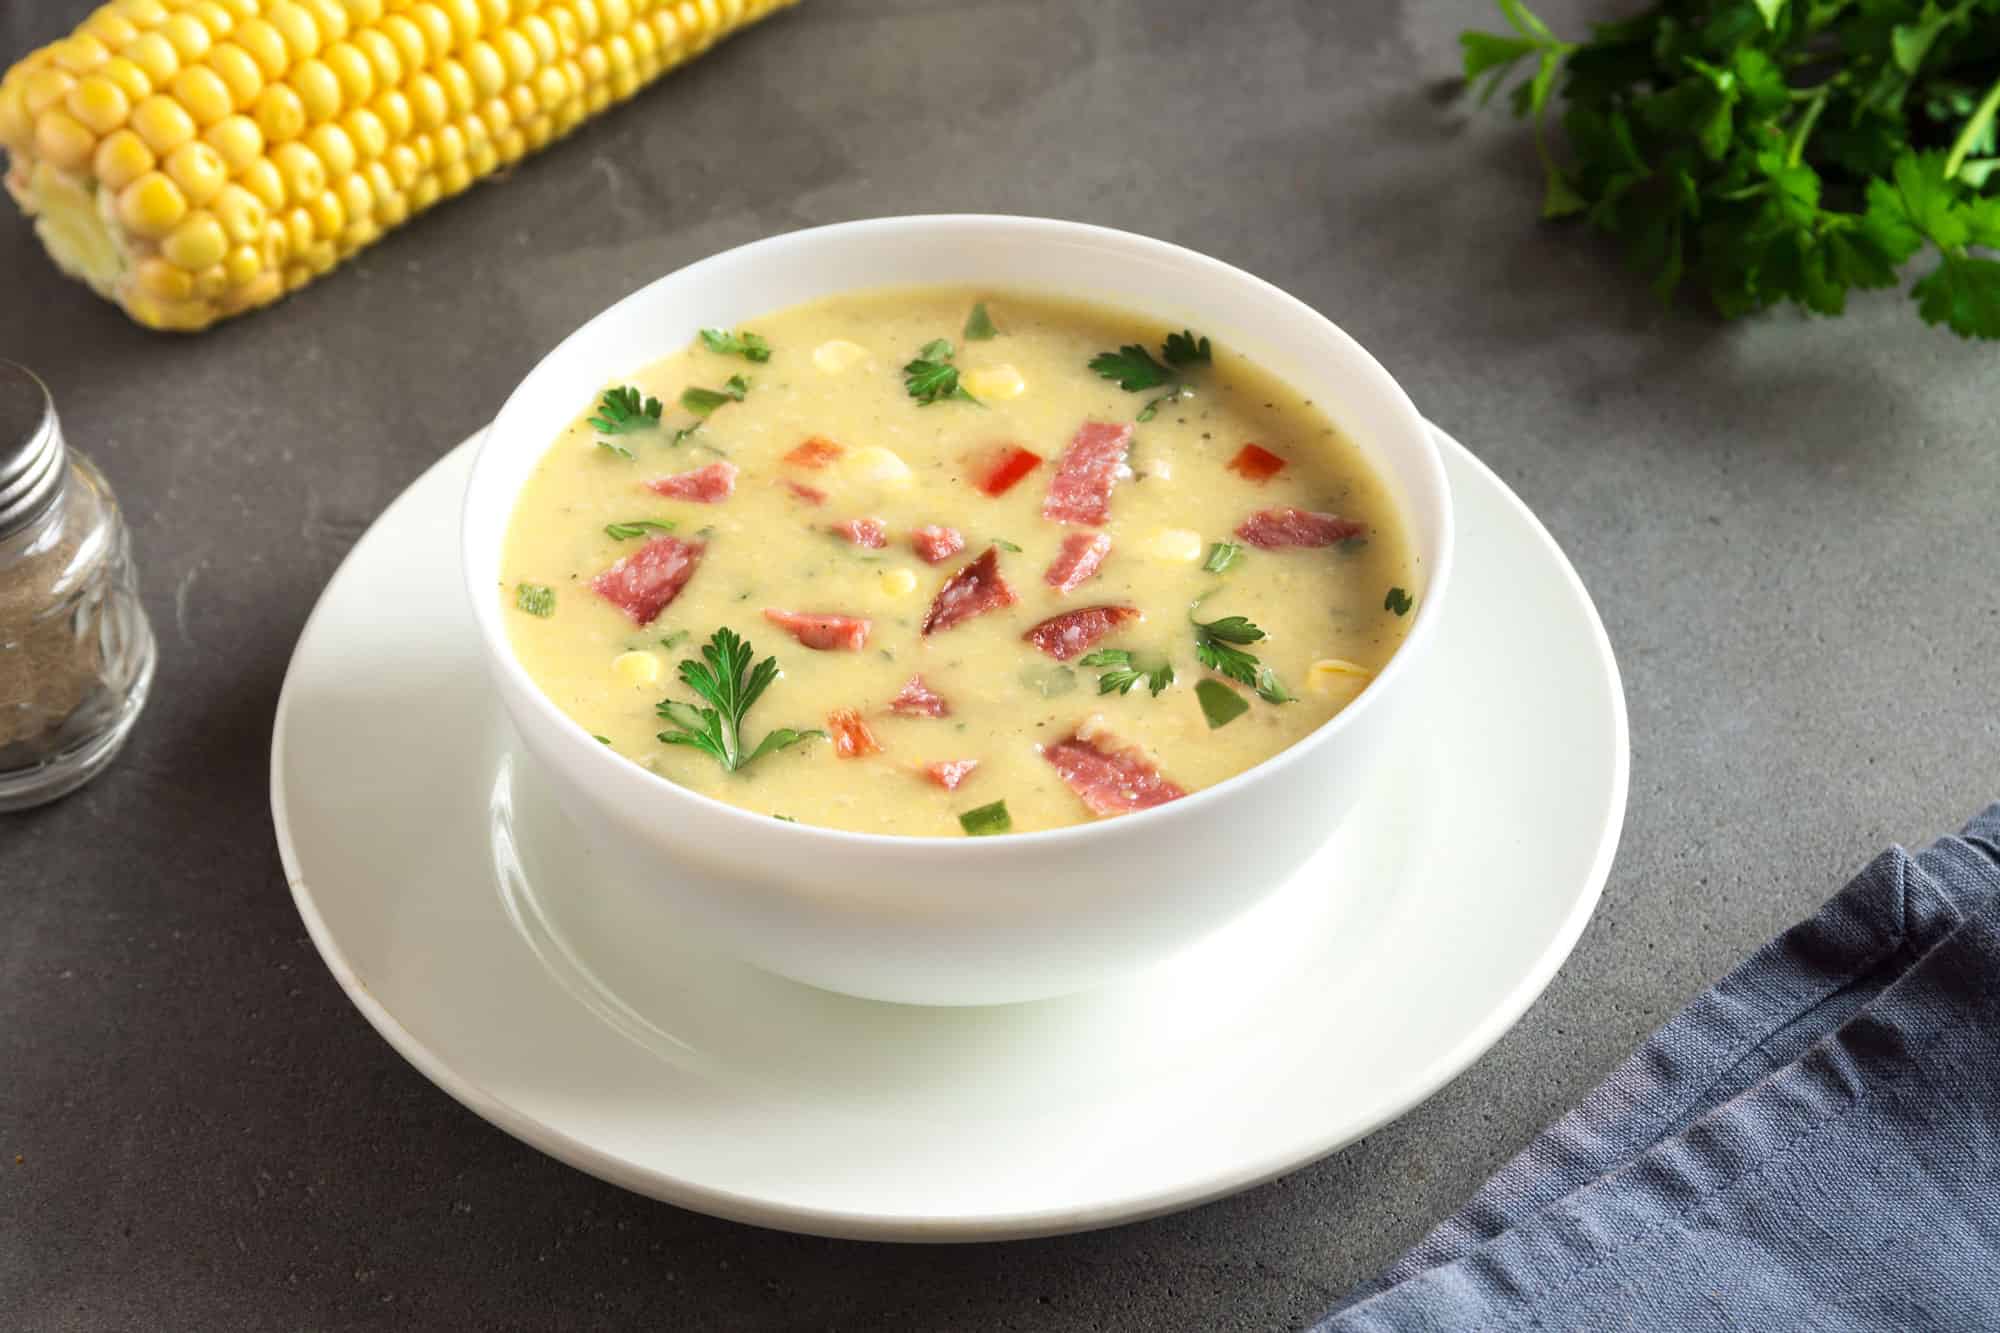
column 521, row 104
column 297, row 275
column 589, row 22
column 198, row 169
column 44, row 88
column 79, row 54
column 428, row 107
column 362, row 13
column 487, row 71
column 879, row 466
column 383, row 57
column 408, row 39
column 481, row 156
column 516, row 57
column 160, row 278
column 196, row 243
column 457, row 85
column 98, row 104
column 299, row 232
column 154, row 55
column 241, row 213
column 62, row 141
column 424, row 193
column 317, row 88
column 465, row 20
column 297, row 27
column 1175, row 544
column 107, row 25
column 151, row 205
column 436, row 28
column 596, row 68
column 542, row 37
column 304, row 173
column 121, row 158
column 333, row 148
column 401, row 160
column 17, row 131
column 280, row 113
column 217, row 19
column 239, row 73
column 191, row 40
column 365, row 132
column 162, row 123
column 356, row 198
column 329, row 215
column 352, row 72
column 995, row 382
column 277, row 244
column 237, row 139
column 1331, row 674
column 211, row 282
column 836, row 355
column 332, row 19
column 133, row 81
column 510, row 143
column 361, row 232
column 264, row 180
column 898, row 582
column 263, row 43
column 450, row 143
column 453, row 177
column 638, row 669
column 265, row 288
column 393, row 110
column 551, row 88
column 201, row 91
column 145, row 13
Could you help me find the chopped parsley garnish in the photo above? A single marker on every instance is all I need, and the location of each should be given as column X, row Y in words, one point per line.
column 669, row 640
column 1184, row 349
column 1005, row 545
column 932, row 377
column 1173, row 395
column 622, row 411
column 987, row 819
column 1398, row 601
column 745, row 344
column 787, row 818
column 620, row 449
column 1132, row 367
column 728, row 681
column 1124, row 673
column 1219, row 704
column 979, row 325
column 703, row 401
column 638, row 527
column 537, row 599
column 1221, row 556
column 1216, row 645
column 601, row 740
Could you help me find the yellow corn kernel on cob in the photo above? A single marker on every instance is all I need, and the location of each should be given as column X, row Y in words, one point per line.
column 192, row 159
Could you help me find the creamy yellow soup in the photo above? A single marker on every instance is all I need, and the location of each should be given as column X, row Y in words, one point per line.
column 791, row 466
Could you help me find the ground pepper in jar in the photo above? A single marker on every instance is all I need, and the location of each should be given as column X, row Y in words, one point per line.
column 76, row 651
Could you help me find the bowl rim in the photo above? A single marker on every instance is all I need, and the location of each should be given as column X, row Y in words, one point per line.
column 1424, row 449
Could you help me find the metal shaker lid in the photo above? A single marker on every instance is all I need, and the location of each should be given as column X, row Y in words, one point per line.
column 31, row 448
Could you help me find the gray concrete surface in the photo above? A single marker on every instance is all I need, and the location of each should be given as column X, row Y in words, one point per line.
column 1788, row 526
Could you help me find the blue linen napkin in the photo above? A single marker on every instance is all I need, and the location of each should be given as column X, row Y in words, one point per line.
column 1812, row 1144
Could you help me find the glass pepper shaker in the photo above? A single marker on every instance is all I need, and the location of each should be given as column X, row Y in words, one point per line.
column 76, row 651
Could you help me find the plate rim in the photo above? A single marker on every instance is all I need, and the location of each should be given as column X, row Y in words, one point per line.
column 850, row 1224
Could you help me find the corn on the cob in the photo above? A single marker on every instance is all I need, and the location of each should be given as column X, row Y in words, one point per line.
column 192, row 159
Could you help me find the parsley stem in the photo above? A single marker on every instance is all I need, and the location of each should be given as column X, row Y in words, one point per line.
column 1982, row 116
column 1803, row 130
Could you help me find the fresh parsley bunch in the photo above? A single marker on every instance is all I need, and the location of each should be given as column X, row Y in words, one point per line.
column 1775, row 150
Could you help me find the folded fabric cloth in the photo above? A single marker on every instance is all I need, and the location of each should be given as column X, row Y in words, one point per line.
column 1812, row 1144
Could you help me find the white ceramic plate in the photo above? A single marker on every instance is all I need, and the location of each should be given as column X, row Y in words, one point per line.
column 459, row 912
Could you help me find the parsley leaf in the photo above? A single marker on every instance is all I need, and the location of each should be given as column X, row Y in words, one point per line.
column 1184, row 349
column 1768, row 153
column 726, row 679
column 1216, row 646
column 669, row 640
column 987, row 819
column 622, row 411
column 1124, row 672
column 638, row 527
column 1398, row 601
column 747, row 345
column 614, row 447
column 703, row 401
column 979, row 325
column 1219, row 704
column 1006, row 545
column 1132, row 367
column 1221, row 556
column 931, row 377
column 537, row 599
